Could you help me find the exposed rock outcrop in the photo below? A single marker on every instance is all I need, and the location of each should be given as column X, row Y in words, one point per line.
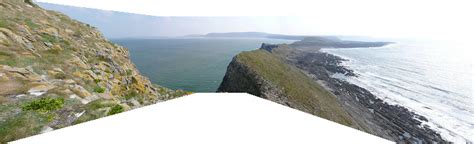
column 55, row 72
column 263, row 74
column 388, row 121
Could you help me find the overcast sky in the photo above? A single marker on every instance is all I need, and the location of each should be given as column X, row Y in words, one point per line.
column 376, row 18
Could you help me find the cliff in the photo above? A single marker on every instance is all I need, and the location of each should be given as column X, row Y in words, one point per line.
column 301, row 78
column 264, row 74
column 55, row 72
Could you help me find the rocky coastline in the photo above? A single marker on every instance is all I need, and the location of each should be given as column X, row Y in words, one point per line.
column 392, row 122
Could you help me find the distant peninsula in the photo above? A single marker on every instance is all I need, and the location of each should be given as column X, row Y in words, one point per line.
column 303, row 41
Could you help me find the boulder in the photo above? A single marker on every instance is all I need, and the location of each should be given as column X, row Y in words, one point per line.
column 40, row 89
column 81, row 91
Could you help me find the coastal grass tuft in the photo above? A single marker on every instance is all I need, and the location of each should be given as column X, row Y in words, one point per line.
column 22, row 125
column 4, row 23
column 12, row 60
column 93, row 110
column 129, row 72
column 31, row 24
column 116, row 109
column 99, row 89
column 49, row 38
column 131, row 95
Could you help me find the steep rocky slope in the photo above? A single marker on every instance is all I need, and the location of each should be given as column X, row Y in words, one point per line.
column 55, row 72
column 263, row 73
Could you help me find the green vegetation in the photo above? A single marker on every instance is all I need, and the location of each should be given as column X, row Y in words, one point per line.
column 4, row 23
column 55, row 56
column 45, row 107
column 12, row 60
column 129, row 72
column 94, row 110
column 99, row 89
column 65, row 43
column 299, row 88
column 22, row 125
column 45, row 104
column 116, row 109
column 60, row 76
column 30, row 2
column 31, row 24
column 59, row 59
column 7, row 58
column 131, row 95
column 54, row 51
column 49, row 38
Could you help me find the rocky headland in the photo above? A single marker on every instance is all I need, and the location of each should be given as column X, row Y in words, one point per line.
column 366, row 111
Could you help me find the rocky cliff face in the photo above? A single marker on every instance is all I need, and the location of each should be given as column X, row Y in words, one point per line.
column 55, row 72
column 263, row 73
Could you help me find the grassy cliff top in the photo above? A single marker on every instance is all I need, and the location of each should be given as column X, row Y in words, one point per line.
column 299, row 88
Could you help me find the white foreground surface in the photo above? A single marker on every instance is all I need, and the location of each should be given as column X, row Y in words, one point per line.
column 210, row 118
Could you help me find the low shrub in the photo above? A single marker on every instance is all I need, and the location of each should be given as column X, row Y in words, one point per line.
column 116, row 109
column 45, row 104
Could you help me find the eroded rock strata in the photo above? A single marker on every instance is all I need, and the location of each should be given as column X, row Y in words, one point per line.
column 367, row 112
column 56, row 72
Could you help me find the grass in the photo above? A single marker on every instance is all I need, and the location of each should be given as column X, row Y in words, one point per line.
column 99, row 89
column 22, row 125
column 55, row 56
column 12, row 60
column 299, row 88
column 60, row 76
column 31, row 24
column 116, row 109
column 7, row 58
column 4, row 23
column 94, row 110
column 54, row 51
column 131, row 95
column 129, row 72
column 49, row 38
column 9, row 62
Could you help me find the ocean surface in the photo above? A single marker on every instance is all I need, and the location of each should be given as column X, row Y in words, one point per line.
column 432, row 79
column 191, row 64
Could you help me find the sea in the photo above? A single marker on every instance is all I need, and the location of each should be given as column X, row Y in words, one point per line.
column 191, row 64
column 432, row 79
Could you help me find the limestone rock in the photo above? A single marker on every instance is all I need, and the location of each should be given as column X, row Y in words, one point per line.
column 81, row 91
column 40, row 89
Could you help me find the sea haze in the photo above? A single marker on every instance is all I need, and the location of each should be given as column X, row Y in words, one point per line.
column 432, row 79
column 191, row 64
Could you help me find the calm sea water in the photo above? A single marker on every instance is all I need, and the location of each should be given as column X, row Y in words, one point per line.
column 195, row 64
column 431, row 79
